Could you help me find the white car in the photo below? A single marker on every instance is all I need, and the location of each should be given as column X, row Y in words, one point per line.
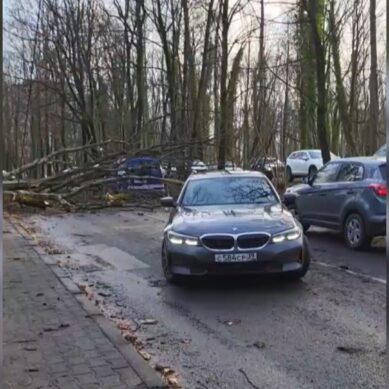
column 198, row 166
column 304, row 163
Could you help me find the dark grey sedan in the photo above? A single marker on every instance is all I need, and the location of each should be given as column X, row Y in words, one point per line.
column 227, row 223
column 348, row 195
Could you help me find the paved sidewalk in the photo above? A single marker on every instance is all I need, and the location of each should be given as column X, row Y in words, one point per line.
column 49, row 339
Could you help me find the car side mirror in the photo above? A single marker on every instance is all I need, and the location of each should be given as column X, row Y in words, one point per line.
column 168, row 202
column 305, row 159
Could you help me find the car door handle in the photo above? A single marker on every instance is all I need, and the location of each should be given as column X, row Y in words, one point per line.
column 322, row 194
column 350, row 192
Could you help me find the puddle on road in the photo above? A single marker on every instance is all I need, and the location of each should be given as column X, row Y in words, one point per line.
column 116, row 257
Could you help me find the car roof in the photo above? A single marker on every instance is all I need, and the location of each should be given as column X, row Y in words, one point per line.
column 364, row 160
column 223, row 173
column 306, row 150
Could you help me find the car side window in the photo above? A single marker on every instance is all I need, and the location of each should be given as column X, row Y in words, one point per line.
column 292, row 156
column 327, row 173
column 304, row 156
column 350, row 172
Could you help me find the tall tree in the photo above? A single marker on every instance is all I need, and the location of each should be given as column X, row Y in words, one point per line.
column 373, row 82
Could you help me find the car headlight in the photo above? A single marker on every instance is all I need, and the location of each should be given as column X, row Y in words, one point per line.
column 293, row 234
column 182, row 239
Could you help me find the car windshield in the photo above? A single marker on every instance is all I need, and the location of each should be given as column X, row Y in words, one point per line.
column 315, row 154
column 228, row 191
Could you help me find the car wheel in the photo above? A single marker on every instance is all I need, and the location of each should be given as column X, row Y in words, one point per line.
column 307, row 253
column 289, row 175
column 354, row 232
column 169, row 276
column 311, row 172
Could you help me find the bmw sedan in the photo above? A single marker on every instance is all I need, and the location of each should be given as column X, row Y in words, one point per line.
column 227, row 223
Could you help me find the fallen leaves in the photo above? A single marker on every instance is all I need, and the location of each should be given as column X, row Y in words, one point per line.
column 230, row 323
column 259, row 345
column 148, row 322
column 169, row 374
column 350, row 349
column 145, row 355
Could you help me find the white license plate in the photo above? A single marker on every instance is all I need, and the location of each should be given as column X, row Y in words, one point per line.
column 241, row 257
column 139, row 181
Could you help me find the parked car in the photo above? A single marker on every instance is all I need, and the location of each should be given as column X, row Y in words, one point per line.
column 229, row 166
column 141, row 166
column 198, row 166
column 381, row 152
column 348, row 195
column 268, row 166
column 227, row 223
column 304, row 163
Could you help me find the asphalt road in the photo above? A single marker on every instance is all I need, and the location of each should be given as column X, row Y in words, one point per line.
column 326, row 331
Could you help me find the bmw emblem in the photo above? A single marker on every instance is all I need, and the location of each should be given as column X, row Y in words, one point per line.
column 234, row 228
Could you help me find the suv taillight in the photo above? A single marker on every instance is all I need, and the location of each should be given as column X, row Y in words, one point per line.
column 379, row 189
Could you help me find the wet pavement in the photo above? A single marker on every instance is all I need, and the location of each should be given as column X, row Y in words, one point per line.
column 326, row 331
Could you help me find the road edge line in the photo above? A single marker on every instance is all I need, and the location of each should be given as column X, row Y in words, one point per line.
column 354, row 273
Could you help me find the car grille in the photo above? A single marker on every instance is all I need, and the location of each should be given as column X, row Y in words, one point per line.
column 218, row 242
column 252, row 241
column 229, row 242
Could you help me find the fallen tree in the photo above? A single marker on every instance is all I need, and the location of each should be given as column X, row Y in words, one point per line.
column 88, row 186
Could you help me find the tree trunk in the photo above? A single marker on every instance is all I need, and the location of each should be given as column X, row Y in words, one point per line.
column 373, row 82
column 223, row 88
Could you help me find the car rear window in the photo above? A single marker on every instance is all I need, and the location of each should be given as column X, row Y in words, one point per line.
column 379, row 173
column 228, row 191
column 382, row 170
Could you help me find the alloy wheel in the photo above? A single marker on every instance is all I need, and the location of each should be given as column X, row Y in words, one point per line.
column 354, row 231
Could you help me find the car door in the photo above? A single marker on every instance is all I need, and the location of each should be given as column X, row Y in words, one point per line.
column 298, row 161
column 303, row 163
column 291, row 160
column 316, row 205
column 348, row 189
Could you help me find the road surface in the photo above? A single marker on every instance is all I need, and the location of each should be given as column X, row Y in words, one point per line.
column 326, row 331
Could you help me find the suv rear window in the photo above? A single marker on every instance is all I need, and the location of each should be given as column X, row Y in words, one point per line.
column 379, row 173
column 382, row 170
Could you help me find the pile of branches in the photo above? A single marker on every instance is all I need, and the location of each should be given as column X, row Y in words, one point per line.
column 87, row 186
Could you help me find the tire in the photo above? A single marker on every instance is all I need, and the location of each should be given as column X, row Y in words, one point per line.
column 289, row 175
column 307, row 254
column 169, row 276
column 354, row 232
column 311, row 172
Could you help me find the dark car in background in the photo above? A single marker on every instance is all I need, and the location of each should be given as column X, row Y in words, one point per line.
column 347, row 195
column 229, row 223
column 269, row 166
column 140, row 167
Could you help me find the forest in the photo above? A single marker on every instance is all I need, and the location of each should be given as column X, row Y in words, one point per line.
column 216, row 80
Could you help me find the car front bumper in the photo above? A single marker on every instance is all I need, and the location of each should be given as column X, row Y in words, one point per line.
column 273, row 258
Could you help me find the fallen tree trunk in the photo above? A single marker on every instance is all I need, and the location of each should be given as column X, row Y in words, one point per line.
column 48, row 157
column 111, row 180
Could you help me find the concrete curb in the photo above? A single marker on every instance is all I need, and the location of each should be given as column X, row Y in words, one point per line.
column 146, row 373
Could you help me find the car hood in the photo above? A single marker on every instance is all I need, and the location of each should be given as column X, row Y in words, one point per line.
column 296, row 189
column 196, row 221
